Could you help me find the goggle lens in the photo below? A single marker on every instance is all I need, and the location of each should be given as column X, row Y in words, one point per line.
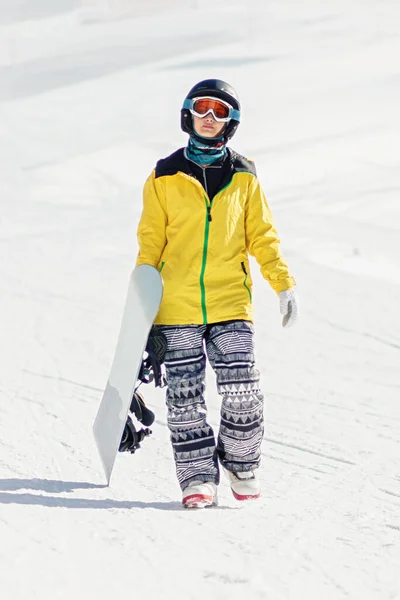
column 202, row 106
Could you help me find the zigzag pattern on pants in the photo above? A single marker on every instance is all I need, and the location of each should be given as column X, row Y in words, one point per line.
column 242, row 424
column 230, row 351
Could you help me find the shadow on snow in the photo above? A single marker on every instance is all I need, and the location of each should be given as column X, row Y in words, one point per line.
column 7, row 486
column 51, row 486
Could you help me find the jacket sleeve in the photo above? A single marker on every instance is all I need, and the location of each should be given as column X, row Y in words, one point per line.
column 262, row 240
column 152, row 225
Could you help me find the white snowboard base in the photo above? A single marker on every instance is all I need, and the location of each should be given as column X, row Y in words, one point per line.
column 141, row 307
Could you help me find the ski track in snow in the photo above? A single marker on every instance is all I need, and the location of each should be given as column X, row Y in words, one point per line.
column 320, row 91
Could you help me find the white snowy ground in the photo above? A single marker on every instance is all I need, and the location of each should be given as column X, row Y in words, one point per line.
column 86, row 109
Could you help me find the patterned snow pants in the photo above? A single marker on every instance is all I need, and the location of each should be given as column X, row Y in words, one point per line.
column 230, row 350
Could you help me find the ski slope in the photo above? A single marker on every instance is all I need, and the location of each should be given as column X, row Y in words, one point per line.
column 86, row 109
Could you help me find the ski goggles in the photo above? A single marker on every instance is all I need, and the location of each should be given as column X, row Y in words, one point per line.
column 220, row 110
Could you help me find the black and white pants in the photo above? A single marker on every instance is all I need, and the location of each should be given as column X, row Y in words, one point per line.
column 230, row 350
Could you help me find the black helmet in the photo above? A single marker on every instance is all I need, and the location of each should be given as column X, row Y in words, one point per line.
column 217, row 89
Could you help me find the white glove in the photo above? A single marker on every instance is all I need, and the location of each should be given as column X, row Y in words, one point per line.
column 289, row 307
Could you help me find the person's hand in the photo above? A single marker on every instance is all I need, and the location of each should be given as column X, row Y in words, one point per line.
column 289, row 307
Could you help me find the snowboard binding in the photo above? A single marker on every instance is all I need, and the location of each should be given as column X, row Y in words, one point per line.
column 131, row 438
column 143, row 414
column 150, row 370
column 130, row 441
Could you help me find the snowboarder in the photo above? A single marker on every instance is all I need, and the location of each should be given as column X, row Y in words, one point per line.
column 203, row 213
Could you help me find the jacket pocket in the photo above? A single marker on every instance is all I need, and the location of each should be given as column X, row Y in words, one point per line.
column 245, row 280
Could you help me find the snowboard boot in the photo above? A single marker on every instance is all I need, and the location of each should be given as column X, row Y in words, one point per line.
column 200, row 494
column 245, row 485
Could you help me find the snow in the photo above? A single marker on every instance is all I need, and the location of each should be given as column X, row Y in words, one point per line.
column 86, row 108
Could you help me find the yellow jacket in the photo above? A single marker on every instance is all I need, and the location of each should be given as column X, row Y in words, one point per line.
column 202, row 246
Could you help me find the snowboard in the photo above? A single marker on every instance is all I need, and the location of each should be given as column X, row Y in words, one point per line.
column 141, row 307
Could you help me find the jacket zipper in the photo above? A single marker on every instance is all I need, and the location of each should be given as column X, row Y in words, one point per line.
column 206, row 188
column 205, row 250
